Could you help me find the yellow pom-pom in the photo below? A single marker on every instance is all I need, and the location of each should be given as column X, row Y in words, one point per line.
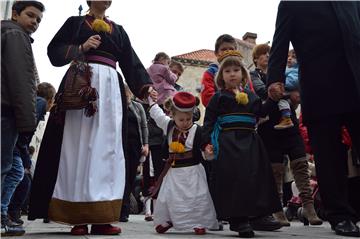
column 177, row 147
column 99, row 25
column 241, row 98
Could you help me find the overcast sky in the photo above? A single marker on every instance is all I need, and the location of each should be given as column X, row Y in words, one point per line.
column 173, row 26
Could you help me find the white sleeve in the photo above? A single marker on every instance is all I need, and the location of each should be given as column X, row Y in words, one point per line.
column 161, row 119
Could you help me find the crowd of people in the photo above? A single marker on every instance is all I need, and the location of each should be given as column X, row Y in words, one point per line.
column 196, row 176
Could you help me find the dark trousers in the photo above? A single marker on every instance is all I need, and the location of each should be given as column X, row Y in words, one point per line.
column 331, row 162
column 131, row 165
column 158, row 164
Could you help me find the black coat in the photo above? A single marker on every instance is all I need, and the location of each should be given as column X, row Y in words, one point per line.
column 63, row 48
column 326, row 39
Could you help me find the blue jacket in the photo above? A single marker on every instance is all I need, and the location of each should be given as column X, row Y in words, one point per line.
column 292, row 78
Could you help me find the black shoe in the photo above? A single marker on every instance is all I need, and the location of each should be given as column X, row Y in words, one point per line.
column 12, row 231
column 123, row 219
column 15, row 218
column 220, row 228
column 243, row 228
column 265, row 223
column 346, row 228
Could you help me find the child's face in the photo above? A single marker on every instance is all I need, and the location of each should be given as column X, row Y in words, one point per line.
column 29, row 19
column 165, row 61
column 176, row 70
column 49, row 104
column 225, row 46
column 183, row 120
column 232, row 76
column 291, row 60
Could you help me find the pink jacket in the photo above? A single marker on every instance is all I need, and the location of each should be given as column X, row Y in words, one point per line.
column 164, row 81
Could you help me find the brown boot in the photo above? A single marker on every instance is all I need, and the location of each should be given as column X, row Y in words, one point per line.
column 281, row 218
column 285, row 122
column 278, row 171
column 300, row 170
column 310, row 214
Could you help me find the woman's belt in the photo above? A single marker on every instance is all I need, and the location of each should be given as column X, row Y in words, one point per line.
column 231, row 122
column 101, row 60
column 181, row 160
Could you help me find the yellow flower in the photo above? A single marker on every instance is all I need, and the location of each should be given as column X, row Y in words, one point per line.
column 99, row 25
column 241, row 97
column 177, row 147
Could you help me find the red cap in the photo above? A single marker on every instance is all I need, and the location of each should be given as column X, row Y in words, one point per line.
column 184, row 101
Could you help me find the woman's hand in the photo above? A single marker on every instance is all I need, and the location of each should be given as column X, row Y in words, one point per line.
column 92, row 43
column 145, row 150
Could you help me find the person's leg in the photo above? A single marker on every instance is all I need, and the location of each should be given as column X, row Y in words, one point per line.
column 12, row 179
column 132, row 163
column 301, row 172
column 353, row 127
column 8, row 139
column 19, row 197
column 285, row 120
column 276, row 158
column 330, row 160
column 125, row 208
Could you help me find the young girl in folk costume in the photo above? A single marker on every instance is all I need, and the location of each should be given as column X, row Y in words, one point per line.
column 243, row 183
column 184, row 201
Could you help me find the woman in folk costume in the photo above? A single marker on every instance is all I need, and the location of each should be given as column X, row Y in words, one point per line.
column 80, row 173
column 243, row 184
column 184, row 201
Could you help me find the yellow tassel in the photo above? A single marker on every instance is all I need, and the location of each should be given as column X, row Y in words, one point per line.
column 241, row 97
column 177, row 147
column 99, row 25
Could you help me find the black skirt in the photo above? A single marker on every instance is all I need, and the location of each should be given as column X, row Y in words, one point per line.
column 243, row 183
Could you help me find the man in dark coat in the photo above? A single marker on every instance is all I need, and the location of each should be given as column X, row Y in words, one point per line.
column 326, row 39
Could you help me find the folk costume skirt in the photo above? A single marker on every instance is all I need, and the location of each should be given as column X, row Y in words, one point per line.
column 184, row 200
column 243, row 183
column 91, row 176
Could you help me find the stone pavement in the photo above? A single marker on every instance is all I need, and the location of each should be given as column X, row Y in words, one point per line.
column 137, row 227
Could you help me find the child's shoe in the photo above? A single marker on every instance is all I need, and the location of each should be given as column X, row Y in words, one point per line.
column 285, row 123
column 162, row 229
column 200, row 231
column 79, row 230
column 105, row 229
column 148, row 218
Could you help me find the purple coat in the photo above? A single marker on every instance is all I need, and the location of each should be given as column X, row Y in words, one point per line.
column 164, row 81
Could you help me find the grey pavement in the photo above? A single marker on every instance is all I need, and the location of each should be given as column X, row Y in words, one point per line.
column 137, row 227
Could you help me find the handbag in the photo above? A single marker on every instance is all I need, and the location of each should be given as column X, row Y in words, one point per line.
column 78, row 93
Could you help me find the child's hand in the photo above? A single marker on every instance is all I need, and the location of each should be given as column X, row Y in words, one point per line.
column 145, row 150
column 209, row 152
column 276, row 91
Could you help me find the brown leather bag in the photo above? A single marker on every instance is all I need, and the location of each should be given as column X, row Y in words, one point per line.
column 78, row 93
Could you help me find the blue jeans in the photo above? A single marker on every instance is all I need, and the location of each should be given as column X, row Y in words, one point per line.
column 20, row 195
column 9, row 136
column 12, row 179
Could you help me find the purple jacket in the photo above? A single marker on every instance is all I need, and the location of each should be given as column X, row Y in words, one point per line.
column 164, row 81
